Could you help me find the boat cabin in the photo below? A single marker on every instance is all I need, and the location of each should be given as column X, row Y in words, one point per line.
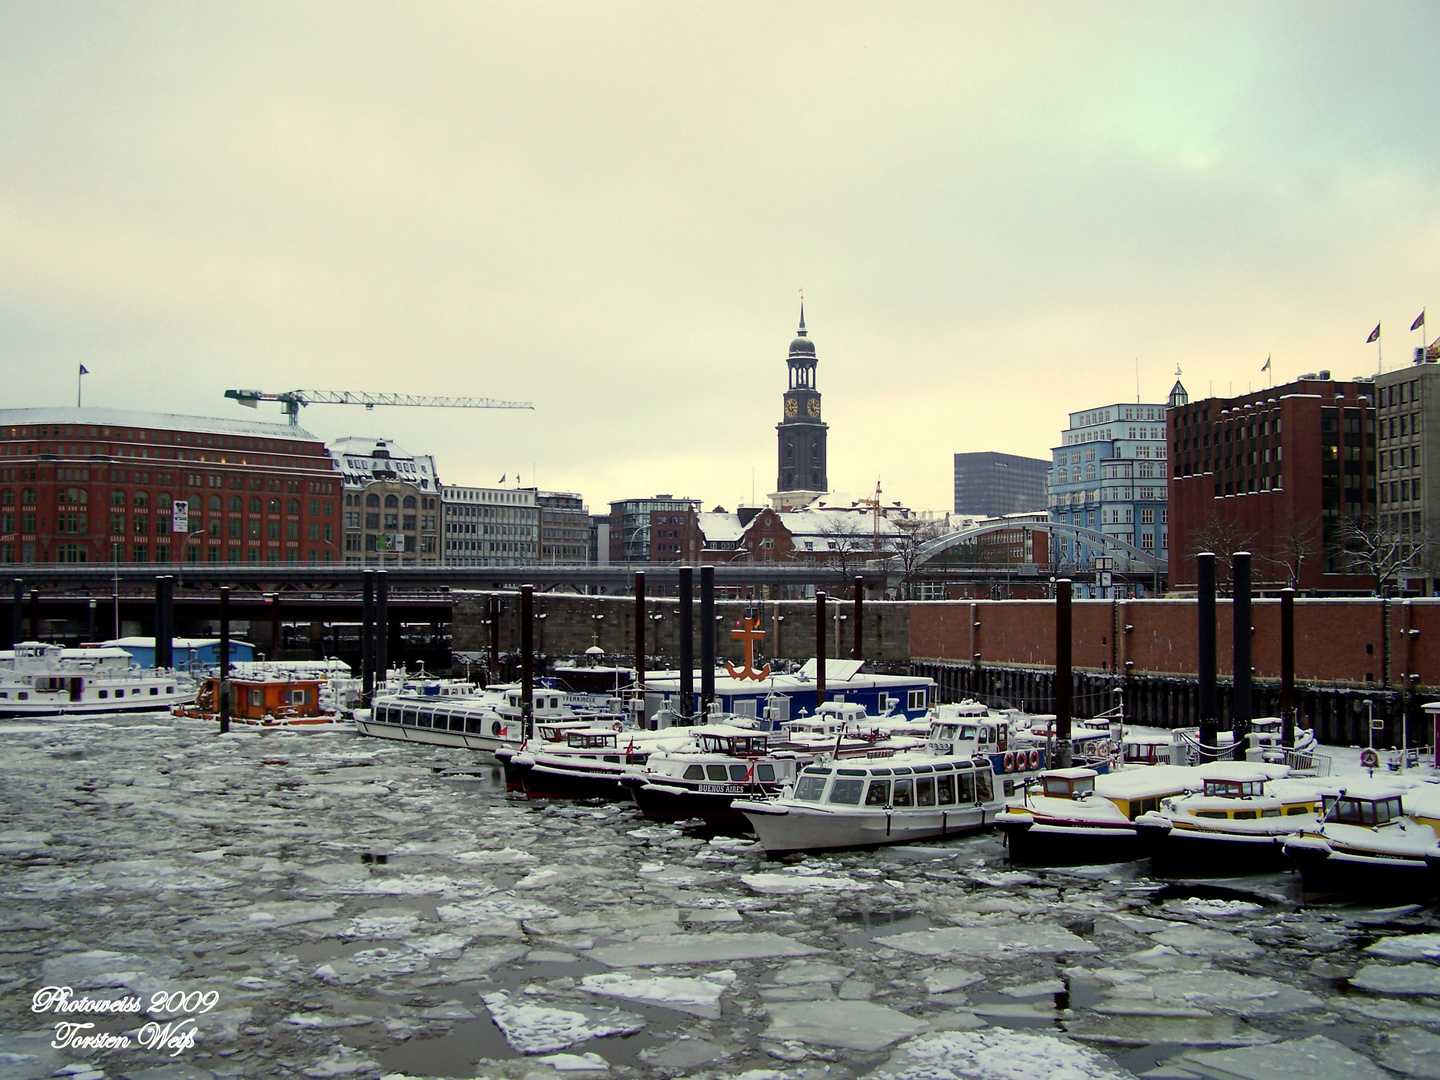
column 1146, row 750
column 591, row 739
column 276, row 698
column 1068, row 783
column 969, row 738
column 944, row 783
column 1369, row 810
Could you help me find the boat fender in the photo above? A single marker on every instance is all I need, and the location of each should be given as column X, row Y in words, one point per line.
column 1009, row 762
column 1034, row 759
column 1369, row 758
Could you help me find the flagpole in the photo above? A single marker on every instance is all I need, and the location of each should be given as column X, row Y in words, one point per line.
column 79, row 375
column 1380, row 345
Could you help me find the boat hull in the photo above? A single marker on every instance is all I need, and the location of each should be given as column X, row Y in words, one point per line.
column 677, row 802
column 1365, row 877
column 429, row 736
column 1046, row 843
column 545, row 781
column 786, row 829
column 1180, row 852
column 90, row 708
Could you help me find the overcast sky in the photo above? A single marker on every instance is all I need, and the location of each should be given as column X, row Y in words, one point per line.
column 609, row 210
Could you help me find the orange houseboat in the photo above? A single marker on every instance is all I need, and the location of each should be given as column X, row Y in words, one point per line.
column 276, row 700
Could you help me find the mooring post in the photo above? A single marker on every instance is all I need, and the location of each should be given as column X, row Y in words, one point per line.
column 527, row 660
column 382, row 630
column 1064, row 673
column 1241, row 705
column 494, row 608
column 1287, row 668
column 34, row 614
column 640, row 630
column 17, row 613
column 707, row 639
column 687, row 640
column 1205, row 630
column 819, row 649
column 856, row 652
column 222, row 691
column 367, row 638
column 164, row 641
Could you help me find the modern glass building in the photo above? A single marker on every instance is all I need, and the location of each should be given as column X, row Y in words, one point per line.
column 988, row 484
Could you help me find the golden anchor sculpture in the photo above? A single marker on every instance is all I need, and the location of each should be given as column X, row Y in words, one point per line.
column 750, row 635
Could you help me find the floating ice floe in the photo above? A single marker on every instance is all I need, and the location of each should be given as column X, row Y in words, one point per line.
column 321, row 1020
column 497, row 906
column 1198, row 941
column 269, row 916
column 1400, row 1012
column 996, row 1054
column 851, row 1025
column 698, row 997
column 946, row 980
column 1220, row 991
column 719, row 947
column 1035, row 989
column 782, row 883
column 1002, row 879
column 995, row 940
column 1315, row 1058
column 371, row 964
column 99, row 969
column 803, row 972
column 1413, row 978
column 1412, row 1053
column 532, row 1028
column 575, row 1063
column 343, row 1061
column 1214, row 909
column 1410, row 947
column 504, row 857
column 380, row 926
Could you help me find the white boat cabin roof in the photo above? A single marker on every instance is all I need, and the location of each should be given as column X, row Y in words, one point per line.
column 1243, row 771
column 1072, row 774
column 1372, row 790
column 1148, row 781
column 1146, row 740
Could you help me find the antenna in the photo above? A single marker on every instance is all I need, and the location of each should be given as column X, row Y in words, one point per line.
column 1137, row 380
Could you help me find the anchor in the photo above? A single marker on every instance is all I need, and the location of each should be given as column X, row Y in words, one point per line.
column 750, row 635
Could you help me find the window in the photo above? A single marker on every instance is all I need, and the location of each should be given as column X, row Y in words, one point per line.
column 142, row 498
column 847, row 791
column 810, row 788
column 292, row 506
column 878, row 794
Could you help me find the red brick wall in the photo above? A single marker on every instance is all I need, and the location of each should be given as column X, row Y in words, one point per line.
column 1335, row 640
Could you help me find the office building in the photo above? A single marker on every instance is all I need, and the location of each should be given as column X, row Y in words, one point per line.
column 392, row 503
column 490, row 526
column 988, row 484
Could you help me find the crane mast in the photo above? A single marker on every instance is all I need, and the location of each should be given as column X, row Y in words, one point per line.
column 292, row 400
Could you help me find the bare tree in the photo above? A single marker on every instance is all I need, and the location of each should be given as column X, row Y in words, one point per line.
column 847, row 543
column 1222, row 537
column 1295, row 542
column 905, row 547
column 1374, row 547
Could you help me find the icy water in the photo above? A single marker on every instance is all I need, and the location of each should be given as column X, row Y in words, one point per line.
column 361, row 908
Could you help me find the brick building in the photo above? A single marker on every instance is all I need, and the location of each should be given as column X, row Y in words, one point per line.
column 87, row 485
column 656, row 530
column 1273, row 472
column 1407, row 408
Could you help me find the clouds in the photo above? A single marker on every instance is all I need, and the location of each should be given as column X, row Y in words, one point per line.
column 608, row 209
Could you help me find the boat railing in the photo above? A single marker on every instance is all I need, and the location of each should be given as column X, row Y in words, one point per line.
column 1307, row 763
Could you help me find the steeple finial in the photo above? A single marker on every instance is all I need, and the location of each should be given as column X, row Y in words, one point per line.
column 802, row 313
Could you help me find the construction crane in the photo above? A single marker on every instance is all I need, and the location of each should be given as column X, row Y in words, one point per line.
column 291, row 400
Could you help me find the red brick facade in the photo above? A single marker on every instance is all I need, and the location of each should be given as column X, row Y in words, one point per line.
column 97, row 485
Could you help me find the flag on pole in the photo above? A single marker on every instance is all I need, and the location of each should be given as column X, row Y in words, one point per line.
column 1374, row 334
column 1267, row 364
column 1419, row 320
column 502, row 479
column 86, row 371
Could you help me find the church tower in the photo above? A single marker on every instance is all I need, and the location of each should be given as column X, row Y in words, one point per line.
column 801, row 477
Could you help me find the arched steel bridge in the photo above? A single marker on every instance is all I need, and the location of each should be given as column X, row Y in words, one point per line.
column 1128, row 558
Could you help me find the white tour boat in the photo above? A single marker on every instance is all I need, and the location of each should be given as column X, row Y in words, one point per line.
column 488, row 720
column 702, row 779
column 48, row 680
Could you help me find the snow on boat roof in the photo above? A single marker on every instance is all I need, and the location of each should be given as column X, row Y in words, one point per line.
column 835, row 670
column 730, row 731
column 1242, row 771
column 1148, row 780
column 1071, row 774
column 1148, row 740
column 1366, row 788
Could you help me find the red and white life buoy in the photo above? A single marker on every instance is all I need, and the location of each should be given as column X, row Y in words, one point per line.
column 1369, row 758
column 1009, row 762
column 1034, row 759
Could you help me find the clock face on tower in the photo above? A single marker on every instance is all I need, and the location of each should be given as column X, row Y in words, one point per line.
column 791, row 406
column 813, row 407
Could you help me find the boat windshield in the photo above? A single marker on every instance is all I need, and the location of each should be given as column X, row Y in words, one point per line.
column 1234, row 789
column 984, row 785
column 811, row 788
column 847, row 791
column 967, row 731
column 1364, row 811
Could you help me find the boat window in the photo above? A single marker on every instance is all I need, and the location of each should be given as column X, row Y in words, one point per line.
column 717, row 772
column 1084, row 786
column 924, row 768
column 945, row 790
column 811, row 788
column 765, row 773
column 104, row 693
column 457, row 723
column 1212, row 814
column 613, row 757
column 694, row 772
column 169, row 689
column 24, row 695
column 738, row 773
column 904, row 794
column 413, row 718
column 154, row 690
column 984, row 785
column 257, row 697
column 1387, row 810
column 1245, row 815
column 902, row 772
column 472, row 725
column 1291, row 811
column 879, row 772
column 847, row 791
column 1272, row 812
column 944, row 766
column 925, row 791
column 1143, row 806
column 967, row 731
column 965, row 788
column 851, row 772
column 1057, row 787
column 816, row 770
column 878, row 794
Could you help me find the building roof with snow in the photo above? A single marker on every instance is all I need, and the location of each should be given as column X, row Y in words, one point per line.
column 363, row 460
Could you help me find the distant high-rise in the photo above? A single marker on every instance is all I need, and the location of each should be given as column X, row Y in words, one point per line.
column 988, row 484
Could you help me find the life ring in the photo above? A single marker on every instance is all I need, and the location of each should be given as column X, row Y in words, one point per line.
column 1034, row 759
column 1369, row 758
column 1009, row 762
